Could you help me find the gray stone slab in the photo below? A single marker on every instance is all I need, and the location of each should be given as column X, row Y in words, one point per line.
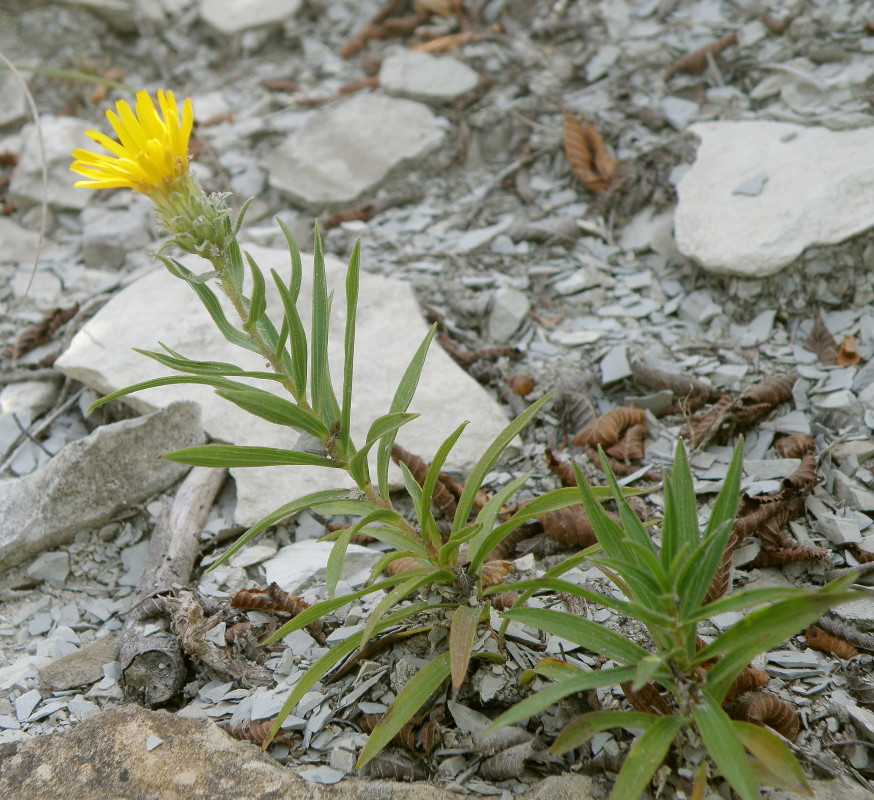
column 91, row 479
column 421, row 76
column 341, row 154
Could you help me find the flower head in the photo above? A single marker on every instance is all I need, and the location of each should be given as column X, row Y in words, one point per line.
column 151, row 153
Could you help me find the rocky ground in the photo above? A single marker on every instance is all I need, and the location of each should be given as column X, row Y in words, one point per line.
column 713, row 225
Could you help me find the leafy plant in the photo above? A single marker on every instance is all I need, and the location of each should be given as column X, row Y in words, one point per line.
column 678, row 686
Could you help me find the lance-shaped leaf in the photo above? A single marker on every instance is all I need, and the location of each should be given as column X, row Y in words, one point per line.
column 724, row 747
column 645, row 757
column 258, row 301
column 537, row 702
column 276, row 409
column 338, row 551
column 423, row 508
column 488, row 459
column 215, row 382
column 322, row 391
column 680, row 525
column 223, row 455
column 211, row 304
column 583, row 728
column 296, row 266
column 380, row 427
column 329, row 659
column 580, row 631
column 400, row 403
column 489, row 512
column 774, row 765
column 349, row 344
column 235, row 269
column 764, row 628
column 219, row 368
column 409, row 700
column 307, row 501
column 462, row 634
column 297, row 338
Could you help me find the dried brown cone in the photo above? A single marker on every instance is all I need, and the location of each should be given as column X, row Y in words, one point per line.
column 862, row 556
column 607, row 429
column 795, row 445
column 630, row 447
column 766, row 710
column 591, row 163
column 257, row 732
column 722, row 577
column 837, row 627
column 570, row 526
column 818, row 639
column 504, row 600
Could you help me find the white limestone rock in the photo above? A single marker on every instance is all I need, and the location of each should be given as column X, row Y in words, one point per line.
column 390, row 329
column 819, row 191
column 60, row 136
column 421, row 76
column 342, row 153
column 232, row 17
column 16, row 243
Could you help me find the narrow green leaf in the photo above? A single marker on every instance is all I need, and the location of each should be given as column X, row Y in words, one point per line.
column 308, row 501
column 279, row 351
column 324, row 400
column 296, row 267
column 275, row 409
column 409, row 700
column 745, row 599
column 584, row 727
column 764, row 628
column 393, row 555
column 645, row 757
column 581, row 631
column 215, row 382
column 462, row 634
column 724, row 747
column 634, row 530
column 537, row 702
column 401, row 402
column 696, row 576
column 344, row 507
column 489, row 458
column 774, row 765
column 258, row 301
column 222, row 455
column 338, row 551
column 487, row 516
column 238, row 223
column 647, row 670
column 235, row 269
column 552, row 668
column 411, row 485
column 609, row 533
column 349, row 341
column 423, row 508
column 214, row 308
column 680, row 527
column 297, row 338
column 565, row 587
column 448, row 552
column 319, row 610
column 415, row 580
column 379, row 428
column 182, row 364
column 328, row 660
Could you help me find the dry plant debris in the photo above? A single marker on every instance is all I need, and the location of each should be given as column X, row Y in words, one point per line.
column 696, row 62
column 766, row 709
column 591, row 163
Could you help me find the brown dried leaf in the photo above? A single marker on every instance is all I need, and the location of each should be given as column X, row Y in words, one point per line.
column 508, row 763
column 695, row 63
column 404, row 564
column 504, row 600
column 795, row 445
column 689, row 393
column 837, row 627
column 765, row 709
column 446, row 44
column 396, row 765
column 607, row 429
column 442, row 497
column 561, row 468
column 848, row 353
column 722, row 577
column 787, row 555
column 371, row 209
column 501, row 739
column 494, row 572
column 749, row 678
column 821, row 342
column 630, row 447
column 818, row 639
column 648, row 699
column 40, row 332
column 590, row 162
column 277, row 600
column 862, row 556
column 570, row 526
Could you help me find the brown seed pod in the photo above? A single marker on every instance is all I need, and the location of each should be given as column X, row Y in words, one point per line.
column 521, row 384
column 695, row 63
column 750, row 678
column 276, row 600
column 591, row 163
column 765, row 709
column 508, row 763
column 818, row 639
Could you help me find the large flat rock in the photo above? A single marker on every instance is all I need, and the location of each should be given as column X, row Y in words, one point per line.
column 390, row 329
column 92, row 479
column 760, row 193
column 342, row 153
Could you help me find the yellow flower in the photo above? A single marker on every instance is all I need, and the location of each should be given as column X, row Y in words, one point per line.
column 151, row 152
